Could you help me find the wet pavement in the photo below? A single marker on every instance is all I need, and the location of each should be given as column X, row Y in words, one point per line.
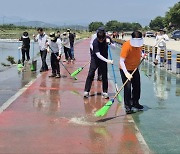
column 159, row 122
column 50, row 115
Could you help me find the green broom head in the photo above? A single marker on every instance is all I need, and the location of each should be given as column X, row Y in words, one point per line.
column 32, row 67
column 76, row 72
column 103, row 111
column 75, row 78
column 119, row 98
column 19, row 66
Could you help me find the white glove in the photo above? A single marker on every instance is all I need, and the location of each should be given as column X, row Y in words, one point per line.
column 145, row 56
column 110, row 61
column 128, row 76
column 19, row 48
column 33, row 35
column 108, row 41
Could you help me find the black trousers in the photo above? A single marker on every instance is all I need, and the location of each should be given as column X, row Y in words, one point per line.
column 93, row 66
column 98, row 71
column 25, row 52
column 67, row 52
column 55, row 64
column 43, row 58
column 132, row 89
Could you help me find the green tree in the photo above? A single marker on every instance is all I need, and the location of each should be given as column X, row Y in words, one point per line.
column 93, row 26
column 136, row 26
column 113, row 25
column 172, row 17
column 157, row 23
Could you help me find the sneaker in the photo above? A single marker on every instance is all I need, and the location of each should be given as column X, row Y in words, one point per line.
column 86, row 94
column 105, row 95
column 128, row 110
column 52, row 76
column 155, row 62
column 58, row 76
column 138, row 106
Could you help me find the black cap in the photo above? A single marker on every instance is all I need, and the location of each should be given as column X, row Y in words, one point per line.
column 101, row 33
column 136, row 34
column 25, row 34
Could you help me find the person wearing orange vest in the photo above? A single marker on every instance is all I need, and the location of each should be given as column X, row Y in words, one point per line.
column 130, row 57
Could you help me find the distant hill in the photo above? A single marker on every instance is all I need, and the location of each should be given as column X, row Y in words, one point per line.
column 24, row 22
column 35, row 24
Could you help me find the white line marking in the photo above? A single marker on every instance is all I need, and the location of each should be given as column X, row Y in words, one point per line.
column 14, row 97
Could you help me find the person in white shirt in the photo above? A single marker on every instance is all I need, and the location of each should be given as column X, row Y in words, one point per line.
column 160, row 43
column 55, row 46
column 67, row 48
column 42, row 38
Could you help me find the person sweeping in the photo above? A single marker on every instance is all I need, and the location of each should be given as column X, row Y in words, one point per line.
column 130, row 57
column 55, row 47
column 99, row 60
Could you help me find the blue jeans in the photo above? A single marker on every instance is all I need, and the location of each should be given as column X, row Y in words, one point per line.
column 72, row 52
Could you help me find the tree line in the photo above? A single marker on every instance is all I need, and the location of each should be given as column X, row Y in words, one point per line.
column 171, row 21
column 115, row 25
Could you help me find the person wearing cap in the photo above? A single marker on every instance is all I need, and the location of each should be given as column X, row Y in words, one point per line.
column 25, row 46
column 55, row 46
column 99, row 60
column 66, row 44
column 71, row 39
column 42, row 39
column 130, row 57
column 160, row 43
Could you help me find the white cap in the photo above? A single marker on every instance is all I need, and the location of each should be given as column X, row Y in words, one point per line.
column 136, row 42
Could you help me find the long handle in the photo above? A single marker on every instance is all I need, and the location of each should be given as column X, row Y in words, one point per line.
column 86, row 64
column 112, row 64
column 127, row 79
column 33, row 52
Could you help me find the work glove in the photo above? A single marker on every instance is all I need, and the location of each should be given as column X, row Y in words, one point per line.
column 110, row 61
column 108, row 41
column 128, row 76
column 145, row 56
column 59, row 57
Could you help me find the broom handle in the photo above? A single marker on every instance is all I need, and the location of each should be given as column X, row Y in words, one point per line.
column 112, row 65
column 127, row 79
column 86, row 64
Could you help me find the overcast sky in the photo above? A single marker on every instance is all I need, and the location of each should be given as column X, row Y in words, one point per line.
column 85, row 11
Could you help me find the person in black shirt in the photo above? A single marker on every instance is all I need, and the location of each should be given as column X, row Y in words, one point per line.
column 99, row 59
column 25, row 46
column 71, row 39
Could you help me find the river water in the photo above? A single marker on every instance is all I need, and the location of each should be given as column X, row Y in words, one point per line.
column 10, row 48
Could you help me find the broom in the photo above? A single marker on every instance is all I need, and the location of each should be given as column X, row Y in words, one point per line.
column 103, row 111
column 119, row 97
column 76, row 72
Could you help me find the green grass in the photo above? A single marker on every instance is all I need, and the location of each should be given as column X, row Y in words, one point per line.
column 16, row 33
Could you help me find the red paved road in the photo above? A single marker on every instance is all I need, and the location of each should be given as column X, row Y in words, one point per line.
column 51, row 116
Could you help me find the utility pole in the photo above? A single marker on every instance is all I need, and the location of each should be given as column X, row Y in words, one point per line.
column 3, row 20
